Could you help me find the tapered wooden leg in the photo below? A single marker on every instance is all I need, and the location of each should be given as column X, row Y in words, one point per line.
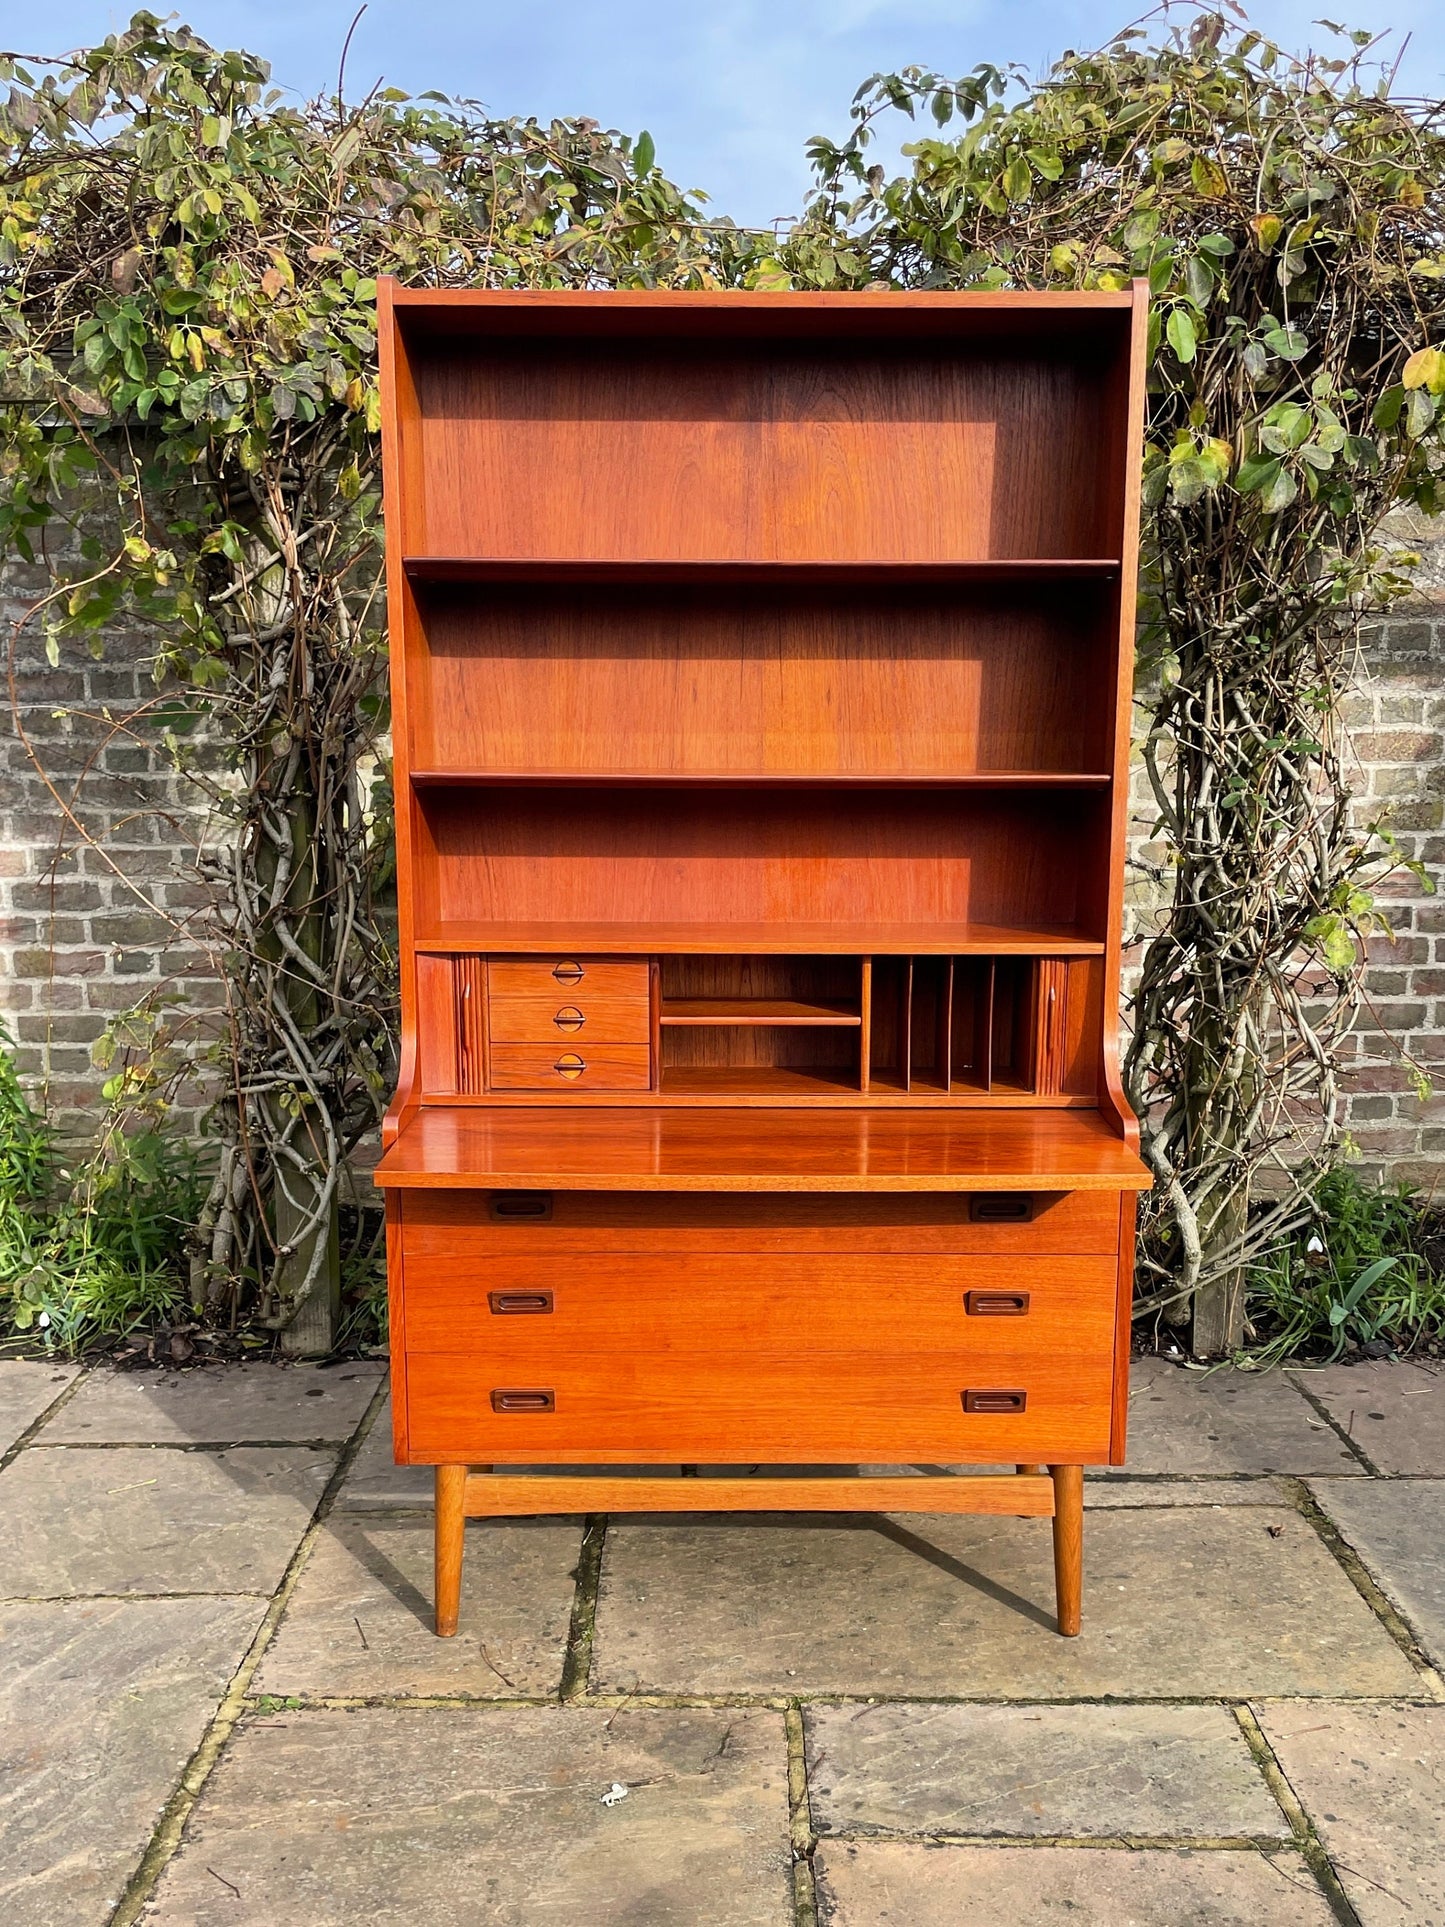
column 451, row 1526
column 1068, row 1545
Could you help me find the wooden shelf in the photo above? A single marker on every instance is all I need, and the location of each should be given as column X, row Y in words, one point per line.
column 757, row 1010
column 707, row 571
column 653, row 1148
column 1004, row 779
column 760, row 939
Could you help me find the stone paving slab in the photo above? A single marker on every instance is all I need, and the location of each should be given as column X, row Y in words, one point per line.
column 376, row 1480
column 1398, row 1528
column 1372, row 1778
column 957, row 1607
column 27, row 1386
column 135, row 1520
column 218, row 1404
column 466, row 1815
column 1111, row 1492
column 101, row 1704
column 1073, row 1771
column 360, row 1620
column 1395, row 1412
column 1184, row 1422
column 897, row 1884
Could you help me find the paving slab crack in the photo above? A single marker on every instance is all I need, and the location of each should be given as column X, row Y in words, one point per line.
column 1364, row 1583
column 1346, row 1438
column 581, row 1630
column 57, row 1404
column 802, row 1834
column 1308, row 1841
column 188, row 1445
column 167, row 1835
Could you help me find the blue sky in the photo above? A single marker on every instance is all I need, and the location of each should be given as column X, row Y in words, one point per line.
column 729, row 89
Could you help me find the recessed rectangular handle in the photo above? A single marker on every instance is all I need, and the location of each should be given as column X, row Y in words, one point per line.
column 504, row 1303
column 520, row 1207
column 528, row 1400
column 994, row 1399
column 996, row 1304
column 1001, row 1207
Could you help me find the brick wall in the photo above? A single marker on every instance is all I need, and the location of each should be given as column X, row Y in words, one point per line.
column 76, row 946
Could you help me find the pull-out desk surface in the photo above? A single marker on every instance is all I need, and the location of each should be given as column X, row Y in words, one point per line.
column 656, row 1149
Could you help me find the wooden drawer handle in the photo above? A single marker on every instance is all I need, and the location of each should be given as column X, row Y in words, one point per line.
column 568, row 973
column 569, row 1018
column 569, row 1064
column 996, row 1304
column 992, row 1400
column 504, row 1303
column 524, row 1401
column 514, row 1207
column 1001, row 1207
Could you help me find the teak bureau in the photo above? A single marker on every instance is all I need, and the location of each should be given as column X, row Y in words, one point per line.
column 761, row 669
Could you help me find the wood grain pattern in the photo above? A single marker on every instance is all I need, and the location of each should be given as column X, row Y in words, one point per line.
column 570, row 1064
column 569, row 1016
column 651, row 1311
column 838, row 684
column 558, row 449
column 904, row 1411
column 653, row 1149
column 749, row 654
column 456, row 1226
column 759, row 857
column 498, row 1495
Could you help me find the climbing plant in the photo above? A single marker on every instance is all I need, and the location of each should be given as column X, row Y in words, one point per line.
column 1289, row 217
column 189, row 434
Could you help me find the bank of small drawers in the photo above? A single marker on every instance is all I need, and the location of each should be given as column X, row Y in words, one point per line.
column 579, row 1023
column 614, row 1328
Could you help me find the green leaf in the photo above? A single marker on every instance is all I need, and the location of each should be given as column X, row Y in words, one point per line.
column 1386, row 411
column 1288, row 343
column 1280, row 493
column 1198, row 280
column 1419, row 412
column 1017, row 180
column 1179, row 330
column 1257, row 472
column 644, row 154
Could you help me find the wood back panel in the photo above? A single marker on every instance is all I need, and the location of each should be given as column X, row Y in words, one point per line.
column 773, row 452
column 755, row 856
column 748, row 681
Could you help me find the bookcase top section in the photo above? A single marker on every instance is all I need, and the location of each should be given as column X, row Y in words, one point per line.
column 654, row 1149
column 529, row 314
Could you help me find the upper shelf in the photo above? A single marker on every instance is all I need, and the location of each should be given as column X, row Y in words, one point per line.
column 601, row 778
column 703, row 573
column 761, row 939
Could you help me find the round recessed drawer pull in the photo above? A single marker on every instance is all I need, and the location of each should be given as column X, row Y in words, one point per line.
column 569, row 1064
column 569, row 1018
column 568, row 973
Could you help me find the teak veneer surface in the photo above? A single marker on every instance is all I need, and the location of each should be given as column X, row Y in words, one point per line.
column 655, row 1149
column 766, row 658
column 835, row 683
column 801, row 453
column 752, row 857
column 459, row 1225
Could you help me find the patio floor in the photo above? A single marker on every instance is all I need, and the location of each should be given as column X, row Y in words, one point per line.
column 220, row 1700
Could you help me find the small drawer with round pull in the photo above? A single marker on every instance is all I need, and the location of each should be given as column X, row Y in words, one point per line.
column 578, row 1019
column 572, row 979
column 566, row 1065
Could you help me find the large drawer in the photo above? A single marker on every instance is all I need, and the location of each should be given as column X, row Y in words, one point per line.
column 460, row 1226
column 724, row 1359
